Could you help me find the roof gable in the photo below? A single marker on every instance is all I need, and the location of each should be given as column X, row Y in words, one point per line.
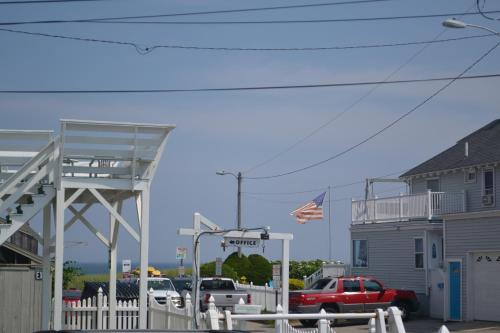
column 483, row 148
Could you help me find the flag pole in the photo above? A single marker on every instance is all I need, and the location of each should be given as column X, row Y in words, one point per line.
column 329, row 225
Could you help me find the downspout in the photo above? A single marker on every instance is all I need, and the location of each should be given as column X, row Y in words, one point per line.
column 445, row 270
column 426, row 262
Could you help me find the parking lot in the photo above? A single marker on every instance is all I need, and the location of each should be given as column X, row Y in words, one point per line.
column 419, row 325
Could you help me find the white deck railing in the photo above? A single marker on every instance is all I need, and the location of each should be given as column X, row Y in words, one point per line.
column 426, row 205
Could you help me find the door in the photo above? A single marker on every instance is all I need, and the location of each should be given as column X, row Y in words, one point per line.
column 354, row 298
column 486, row 286
column 455, row 299
column 376, row 297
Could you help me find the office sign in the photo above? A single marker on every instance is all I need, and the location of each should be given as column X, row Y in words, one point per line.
column 241, row 242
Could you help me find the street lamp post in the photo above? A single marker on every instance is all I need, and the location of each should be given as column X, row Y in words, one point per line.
column 454, row 23
column 238, row 207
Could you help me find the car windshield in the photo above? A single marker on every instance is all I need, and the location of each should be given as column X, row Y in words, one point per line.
column 320, row 284
column 181, row 285
column 160, row 285
column 217, row 285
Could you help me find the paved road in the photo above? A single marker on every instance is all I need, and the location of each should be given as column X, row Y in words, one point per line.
column 412, row 326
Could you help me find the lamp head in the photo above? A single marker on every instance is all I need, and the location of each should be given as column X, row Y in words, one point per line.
column 221, row 173
column 454, row 23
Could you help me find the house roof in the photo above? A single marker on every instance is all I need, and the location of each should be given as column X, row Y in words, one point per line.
column 483, row 148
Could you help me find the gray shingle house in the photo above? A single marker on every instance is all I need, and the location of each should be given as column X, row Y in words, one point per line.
column 443, row 238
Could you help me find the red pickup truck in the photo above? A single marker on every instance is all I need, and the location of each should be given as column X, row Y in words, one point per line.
column 350, row 294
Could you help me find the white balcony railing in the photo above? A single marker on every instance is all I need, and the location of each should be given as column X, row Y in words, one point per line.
column 426, row 205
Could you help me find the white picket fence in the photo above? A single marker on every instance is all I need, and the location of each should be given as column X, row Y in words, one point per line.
column 168, row 316
column 264, row 296
column 93, row 313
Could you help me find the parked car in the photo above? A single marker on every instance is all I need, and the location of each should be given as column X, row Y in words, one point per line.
column 350, row 294
column 163, row 287
column 182, row 283
column 224, row 292
column 71, row 295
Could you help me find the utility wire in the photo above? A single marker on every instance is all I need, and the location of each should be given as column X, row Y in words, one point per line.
column 391, row 124
column 147, row 49
column 346, row 110
column 23, row 2
column 326, row 187
column 483, row 13
column 254, row 88
column 117, row 20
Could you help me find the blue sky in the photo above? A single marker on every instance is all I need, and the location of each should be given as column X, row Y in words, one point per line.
column 237, row 130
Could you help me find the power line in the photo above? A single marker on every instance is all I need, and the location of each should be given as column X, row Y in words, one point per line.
column 326, row 187
column 391, row 124
column 483, row 13
column 254, row 88
column 147, row 49
column 23, row 2
column 117, row 20
column 346, row 110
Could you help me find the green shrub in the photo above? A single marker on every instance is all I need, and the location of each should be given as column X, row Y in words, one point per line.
column 261, row 269
column 208, row 270
column 241, row 266
column 295, row 284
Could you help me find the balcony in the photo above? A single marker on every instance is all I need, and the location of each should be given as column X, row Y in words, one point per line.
column 427, row 205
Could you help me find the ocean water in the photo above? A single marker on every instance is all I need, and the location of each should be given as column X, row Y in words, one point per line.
column 102, row 267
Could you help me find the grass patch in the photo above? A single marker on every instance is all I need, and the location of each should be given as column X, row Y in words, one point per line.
column 78, row 281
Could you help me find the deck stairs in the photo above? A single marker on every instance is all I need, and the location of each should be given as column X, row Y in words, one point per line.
column 327, row 269
column 27, row 189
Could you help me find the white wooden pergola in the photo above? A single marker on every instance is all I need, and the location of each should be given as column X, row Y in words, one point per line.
column 90, row 163
column 201, row 225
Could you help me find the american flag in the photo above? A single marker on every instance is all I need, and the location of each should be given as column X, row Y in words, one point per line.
column 312, row 210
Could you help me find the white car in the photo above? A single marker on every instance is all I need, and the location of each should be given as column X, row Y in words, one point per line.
column 163, row 287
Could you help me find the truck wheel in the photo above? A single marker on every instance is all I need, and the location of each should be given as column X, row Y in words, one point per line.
column 331, row 308
column 308, row 322
column 404, row 307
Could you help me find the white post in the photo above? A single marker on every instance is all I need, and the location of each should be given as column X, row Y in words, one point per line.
column 323, row 323
column 443, row 329
column 429, row 204
column 212, row 315
column 395, row 320
column 229, row 320
column 143, row 284
column 113, row 238
column 46, row 276
column 152, row 314
column 371, row 326
column 99, row 309
column 380, row 321
column 279, row 323
column 285, row 274
column 188, row 311
column 59, row 259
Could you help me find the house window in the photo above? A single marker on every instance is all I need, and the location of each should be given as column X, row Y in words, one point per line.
column 488, row 182
column 359, row 253
column 433, row 184
column 419, row 253
column 470, row 176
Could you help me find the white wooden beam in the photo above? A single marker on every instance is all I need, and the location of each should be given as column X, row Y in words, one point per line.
column 144, row 258
column 113, row 237
column 73, row 197
column 138, row 205
column 59, row 260
column 113, row 211
column 46, row 276
column 89, row 226
column 75, row 218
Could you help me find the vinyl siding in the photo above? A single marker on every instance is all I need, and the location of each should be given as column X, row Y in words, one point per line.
column 391, row 258
column 454, row 182
column 20, row 300
column 474, row 235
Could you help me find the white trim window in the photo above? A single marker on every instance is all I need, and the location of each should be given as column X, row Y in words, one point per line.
column 359, row 253
column 470, row 176
column 419, row 252
column 488, row 187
